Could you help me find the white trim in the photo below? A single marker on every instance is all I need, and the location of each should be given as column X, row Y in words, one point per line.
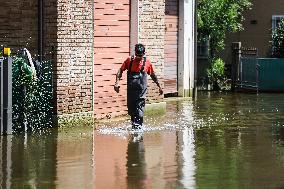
column 274, row 18
column 186, row 47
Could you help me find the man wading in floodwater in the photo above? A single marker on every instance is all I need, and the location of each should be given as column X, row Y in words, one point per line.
column 137, row 69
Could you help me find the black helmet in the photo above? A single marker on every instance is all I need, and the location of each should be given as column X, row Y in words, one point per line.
column 139, row 49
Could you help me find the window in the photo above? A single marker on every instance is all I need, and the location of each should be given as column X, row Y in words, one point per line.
column 275, row 20
column 277, row 51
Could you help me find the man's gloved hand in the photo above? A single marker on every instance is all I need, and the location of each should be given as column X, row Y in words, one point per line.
column 116, row 87
column 160, row 91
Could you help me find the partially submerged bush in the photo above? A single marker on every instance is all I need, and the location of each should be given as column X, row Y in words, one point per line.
column 32, row 96
column 216, row 73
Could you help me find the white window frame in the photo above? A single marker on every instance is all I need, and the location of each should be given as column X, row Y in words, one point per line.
column 276, row 19
column 275, row 22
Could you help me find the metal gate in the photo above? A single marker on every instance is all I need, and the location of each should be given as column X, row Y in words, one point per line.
column 248, row 74
column 261, row 74
column 111, row 48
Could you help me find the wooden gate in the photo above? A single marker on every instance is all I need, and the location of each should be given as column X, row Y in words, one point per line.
column 171, row 46
column 111, row 48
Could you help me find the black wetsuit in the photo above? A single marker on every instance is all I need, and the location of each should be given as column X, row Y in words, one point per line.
column 136, row 94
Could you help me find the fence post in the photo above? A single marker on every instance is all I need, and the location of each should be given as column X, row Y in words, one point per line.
column 257, row 76
column 6, row 93
column 236, row 58
column 1, row 94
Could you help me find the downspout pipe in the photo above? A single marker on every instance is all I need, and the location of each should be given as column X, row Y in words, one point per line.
column 93, row 54
column 40, row 30
column 195, row 49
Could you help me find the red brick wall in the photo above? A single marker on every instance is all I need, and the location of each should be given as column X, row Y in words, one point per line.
column 18, row 24
column 68, row 40
column 74, row 56
column 151, row 34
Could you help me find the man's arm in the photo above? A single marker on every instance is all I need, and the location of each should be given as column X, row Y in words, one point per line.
column 118, row 77
column 155, row 79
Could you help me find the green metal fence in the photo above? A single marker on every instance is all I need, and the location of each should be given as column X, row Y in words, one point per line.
column 263, row 74
column 247, row 76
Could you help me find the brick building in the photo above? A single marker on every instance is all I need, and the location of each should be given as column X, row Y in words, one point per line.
column 87, row 40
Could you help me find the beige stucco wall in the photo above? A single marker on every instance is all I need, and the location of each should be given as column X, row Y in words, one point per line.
column 256, row 35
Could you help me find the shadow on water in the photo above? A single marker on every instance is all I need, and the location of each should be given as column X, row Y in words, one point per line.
column 216, row 141
column 45, row 160
column 28, row 161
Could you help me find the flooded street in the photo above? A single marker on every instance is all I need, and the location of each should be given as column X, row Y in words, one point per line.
column 219, row 140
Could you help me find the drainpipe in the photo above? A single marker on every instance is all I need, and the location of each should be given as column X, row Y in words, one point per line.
column 93, row 58
column 195, row 49
column 40, row 30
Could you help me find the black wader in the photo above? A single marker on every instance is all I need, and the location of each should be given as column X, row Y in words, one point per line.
column 136, row 94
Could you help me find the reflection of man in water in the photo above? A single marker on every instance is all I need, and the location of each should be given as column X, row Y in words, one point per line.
column 136, row 166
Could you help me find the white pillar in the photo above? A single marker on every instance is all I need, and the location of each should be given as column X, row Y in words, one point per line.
column 186, row 55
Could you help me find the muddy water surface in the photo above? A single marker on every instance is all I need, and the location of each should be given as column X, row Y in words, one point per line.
column 219, row 140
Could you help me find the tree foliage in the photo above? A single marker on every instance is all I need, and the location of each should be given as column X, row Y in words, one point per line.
column 218, row 17
column 278, row 40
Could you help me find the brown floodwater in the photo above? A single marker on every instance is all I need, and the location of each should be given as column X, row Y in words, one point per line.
column 218, row 140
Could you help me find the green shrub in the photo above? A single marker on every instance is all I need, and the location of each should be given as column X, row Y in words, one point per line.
column 216, row 73
column 32, row 97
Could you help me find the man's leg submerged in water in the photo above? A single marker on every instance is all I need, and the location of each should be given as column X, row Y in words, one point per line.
column 137, row 115
column 137, row 122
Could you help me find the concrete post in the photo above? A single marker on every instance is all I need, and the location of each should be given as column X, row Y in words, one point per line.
column 1, row 94
column 236, row 58
column 186, row 48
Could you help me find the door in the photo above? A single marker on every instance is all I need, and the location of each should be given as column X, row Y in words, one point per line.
column 111, row 48
column 171, row 46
